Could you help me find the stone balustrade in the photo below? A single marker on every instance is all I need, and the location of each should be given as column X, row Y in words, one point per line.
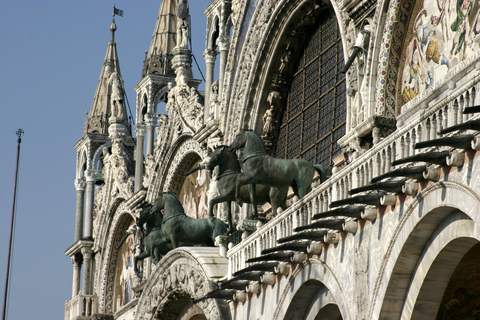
column 81, row 307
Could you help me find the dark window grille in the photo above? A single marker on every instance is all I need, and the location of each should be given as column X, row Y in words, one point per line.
column 314, row 116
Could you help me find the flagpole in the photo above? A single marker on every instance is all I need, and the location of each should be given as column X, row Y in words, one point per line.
column 19, row 140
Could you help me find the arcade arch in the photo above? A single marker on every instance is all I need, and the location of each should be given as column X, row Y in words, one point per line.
column 433, row 235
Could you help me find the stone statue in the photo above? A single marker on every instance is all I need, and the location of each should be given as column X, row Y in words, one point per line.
column 273, row 101
column 183, row 103
column 268, row 122
column 116, row 95
column 119, row 165
column 183, row 26
column 149, row 170
column 213, row 99
column 284, row 61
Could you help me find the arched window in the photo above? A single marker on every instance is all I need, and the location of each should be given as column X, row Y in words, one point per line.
column 315, row 112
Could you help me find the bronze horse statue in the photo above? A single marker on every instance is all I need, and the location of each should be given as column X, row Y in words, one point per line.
column 179, row 228
column 228, row 173
column 155, row 244
column 260, row 168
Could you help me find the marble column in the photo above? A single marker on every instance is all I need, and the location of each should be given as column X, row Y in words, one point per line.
column 80, row 187
column 90, row 176
column 223, row 44
column 210, row 56
column 87, row 268
column 140, row 129
column 77, row 266
column 151, row 121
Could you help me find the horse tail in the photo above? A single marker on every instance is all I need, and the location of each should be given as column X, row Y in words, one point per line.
column 322, row 171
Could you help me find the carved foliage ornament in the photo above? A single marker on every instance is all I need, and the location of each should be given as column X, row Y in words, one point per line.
column 179, row 280
column 118, row 162
column 184, row 102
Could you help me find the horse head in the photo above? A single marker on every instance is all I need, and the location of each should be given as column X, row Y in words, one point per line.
column 167, row 203
column 144, row 215
column 151, row 215
column 250, row 141
column 224, row 158
column 239, row 141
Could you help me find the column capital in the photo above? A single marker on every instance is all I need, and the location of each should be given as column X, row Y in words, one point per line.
column 223, row 42
column 210, row 55
column 87, row 252
column 151, row 119
column 140, row 129
column 77, row 259
column 91, row 175
column 79, row 184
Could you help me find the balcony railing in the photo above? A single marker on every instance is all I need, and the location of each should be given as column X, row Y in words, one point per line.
column 80, row 307
column 421, row 120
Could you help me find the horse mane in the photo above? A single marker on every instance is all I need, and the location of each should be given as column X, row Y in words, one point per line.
column 173, row 195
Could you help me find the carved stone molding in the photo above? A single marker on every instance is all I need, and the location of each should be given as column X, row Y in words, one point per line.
column 182, row 275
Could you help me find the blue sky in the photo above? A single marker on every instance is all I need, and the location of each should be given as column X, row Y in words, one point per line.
column 51, row 54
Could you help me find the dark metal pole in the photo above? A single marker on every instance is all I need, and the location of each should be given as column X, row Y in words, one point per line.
column 19, row 140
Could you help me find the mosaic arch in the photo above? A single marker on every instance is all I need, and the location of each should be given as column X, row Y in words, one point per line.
column 192, row 190
column 422, row 41
column 440, row 35
column 117, row 283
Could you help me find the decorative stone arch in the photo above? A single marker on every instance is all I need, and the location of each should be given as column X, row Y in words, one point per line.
column 113, row 231
column 313, row 280
column 98, row 154
column 179, row 158
column 389, row 37
column 214, row 32
column 160, row 96
column 435, row 222
column 82, row 161
column 184, row 274
column 268, row 32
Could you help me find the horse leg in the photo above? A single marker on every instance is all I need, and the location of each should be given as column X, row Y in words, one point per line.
column 141, row 256
column 214, row 201
column 227, row 206
column 238, row 184
column 273, row 196
column 173, row 240
column 156, row 255
column 251, row 190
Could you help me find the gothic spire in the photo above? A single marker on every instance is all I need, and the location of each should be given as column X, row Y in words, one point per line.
column 110, row 87
column 163, row 40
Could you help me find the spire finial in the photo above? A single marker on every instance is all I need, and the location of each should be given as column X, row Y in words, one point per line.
column 113, row 28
